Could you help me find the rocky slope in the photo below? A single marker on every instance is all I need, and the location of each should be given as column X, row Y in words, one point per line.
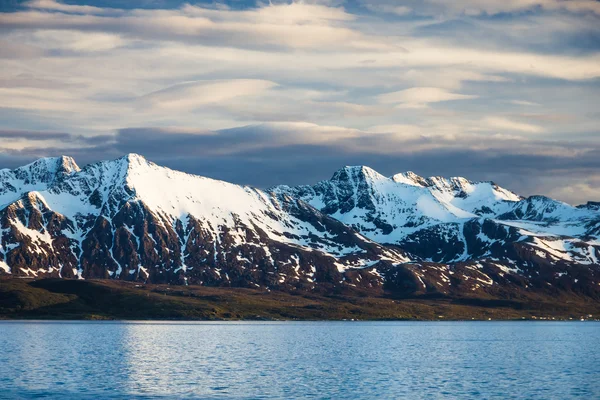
column 459, row 223
column 133, row 220
column 130, row 219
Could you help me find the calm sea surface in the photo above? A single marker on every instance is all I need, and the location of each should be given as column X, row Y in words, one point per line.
column 338, row 360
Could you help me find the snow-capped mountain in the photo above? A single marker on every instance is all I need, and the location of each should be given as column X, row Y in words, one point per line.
column 131, row 219
column 390, row 209
column 35, row 176
column 458, row 221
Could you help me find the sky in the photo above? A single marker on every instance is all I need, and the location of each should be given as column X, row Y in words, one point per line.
column 283, row 92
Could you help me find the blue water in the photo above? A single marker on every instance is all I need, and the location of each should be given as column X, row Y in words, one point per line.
column 338, row 360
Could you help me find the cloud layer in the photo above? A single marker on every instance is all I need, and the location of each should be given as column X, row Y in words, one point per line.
column 266, row 93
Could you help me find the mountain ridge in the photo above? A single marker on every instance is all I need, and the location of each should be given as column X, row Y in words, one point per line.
column 131, row 219
column 432, row 203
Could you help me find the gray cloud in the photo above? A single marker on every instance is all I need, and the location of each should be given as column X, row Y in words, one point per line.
column 289, row 92
column 32, row 135
column 257, row 155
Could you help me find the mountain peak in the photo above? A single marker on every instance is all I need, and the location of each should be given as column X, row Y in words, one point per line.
column 410, row 178
column 129, row 163
column 35, row 176
column 135, row 159
column 356, row 173
column 67, row 164
column 46, row 169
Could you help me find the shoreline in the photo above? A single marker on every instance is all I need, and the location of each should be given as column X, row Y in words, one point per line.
column 105, row 300
column 267, row 322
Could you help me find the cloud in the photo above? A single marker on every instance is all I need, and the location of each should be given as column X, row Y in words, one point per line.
column 191, row 95
column 274, row 153
column 390, row 139
column 52, row 5
column 578, row 192
column 492, row 7
column 31, row 135
column 525, row 103
column 235, row 140
column 449, row 78
column 304, row 27
column 72, row 41
column 11, row 50
column 387, row 8
column 404, row 130
column 289, row 91
column 502, row 123
column 293, row 25
column 419, row 97
column 22, row 141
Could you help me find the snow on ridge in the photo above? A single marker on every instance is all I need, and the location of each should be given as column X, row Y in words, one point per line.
column 50, row 163
column 567, row 249
column 405, row 202
column 35, row 176
column 409, row 178
column 177, row 194
column 101, row 189
column 356, row 173
column 398, row 208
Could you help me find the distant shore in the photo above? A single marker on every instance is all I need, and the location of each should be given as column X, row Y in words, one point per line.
column 55, row 299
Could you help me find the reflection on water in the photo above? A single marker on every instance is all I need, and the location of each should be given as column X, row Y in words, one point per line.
column 290, row 360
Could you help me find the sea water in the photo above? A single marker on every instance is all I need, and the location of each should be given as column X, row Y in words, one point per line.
column 290, row 360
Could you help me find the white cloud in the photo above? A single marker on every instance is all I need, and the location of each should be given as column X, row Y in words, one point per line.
column 430, row 54
column 401, row 10
column 399, row 131
column 525, row 103
column 383, row 139
column 294, row 25
column 52, row 5
column 191, row 95
column 447, row 77
column 419, row 97
column 315, row 31
column 571, row 189
column 84, row 42
column 388, row 8
column 501, row 123
column 576, row 193
column 94, row 70
column 478, row 7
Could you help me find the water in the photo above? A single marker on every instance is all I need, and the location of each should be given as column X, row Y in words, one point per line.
column 339, row 360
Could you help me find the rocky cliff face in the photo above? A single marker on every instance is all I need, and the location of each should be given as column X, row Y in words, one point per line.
column 130, row 219
column 459, row 222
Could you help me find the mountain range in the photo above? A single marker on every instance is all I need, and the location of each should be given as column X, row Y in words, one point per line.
column 130, row 219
